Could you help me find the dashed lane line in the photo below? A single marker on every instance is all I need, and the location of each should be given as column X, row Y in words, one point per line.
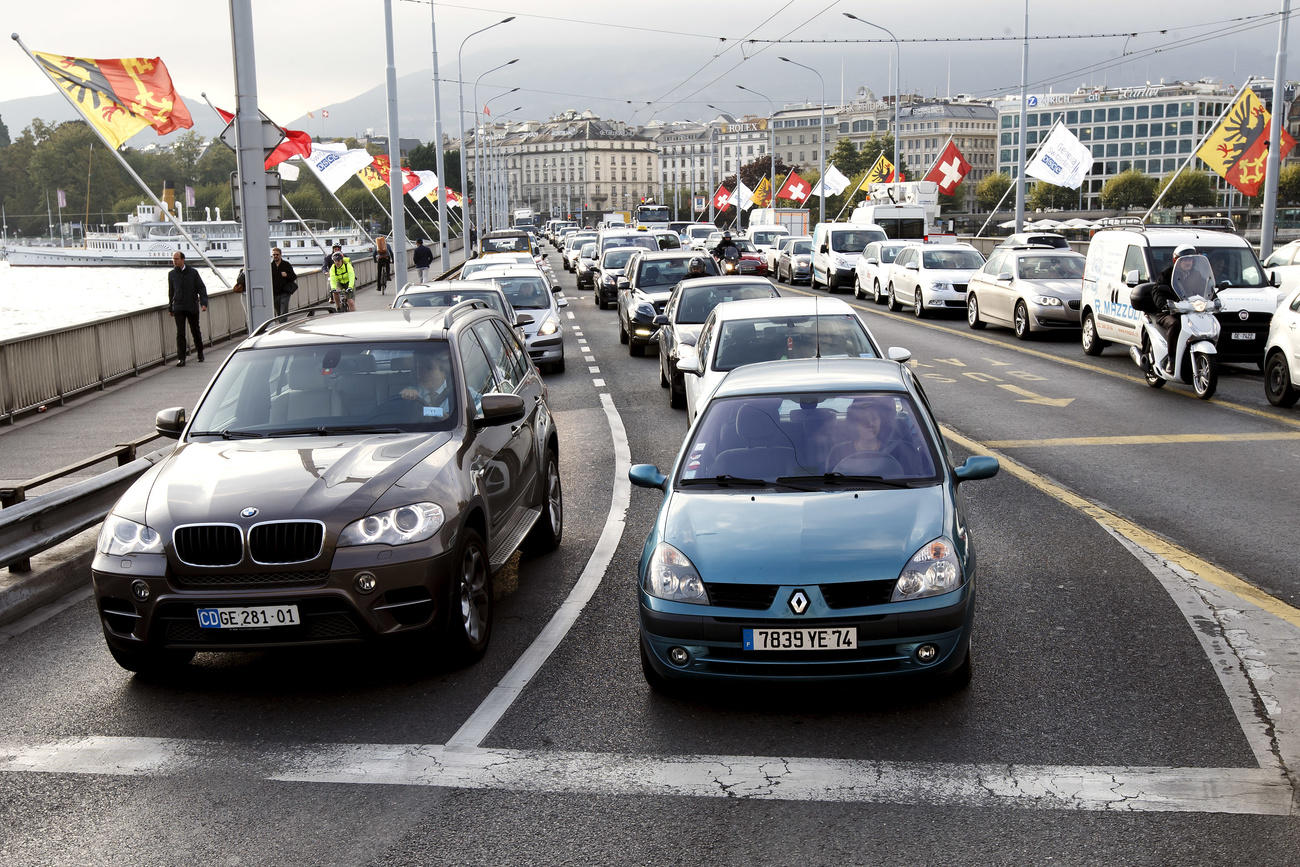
column 599, row 383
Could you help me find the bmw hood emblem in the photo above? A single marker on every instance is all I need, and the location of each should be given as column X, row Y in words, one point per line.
column 798, row 602
column 250, row 512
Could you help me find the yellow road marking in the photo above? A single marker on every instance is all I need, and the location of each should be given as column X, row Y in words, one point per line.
column 1027, row 396
column 1047, row 356
column 1159, row 547
column 1140, row 440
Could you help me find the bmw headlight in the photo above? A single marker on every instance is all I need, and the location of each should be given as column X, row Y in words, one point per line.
column 121, row 536
column 672, row 576
column 1048, row 301
column 413, row 523
column 550, row 326
column 931, row 571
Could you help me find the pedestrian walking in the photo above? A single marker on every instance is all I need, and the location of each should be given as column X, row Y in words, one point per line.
column 423, row 258
column 186, row 297
column 284, row 282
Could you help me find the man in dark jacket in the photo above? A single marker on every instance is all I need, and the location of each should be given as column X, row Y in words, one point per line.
column 186, row 296
column 329, row 257
column 423, row 258
column 283, row 281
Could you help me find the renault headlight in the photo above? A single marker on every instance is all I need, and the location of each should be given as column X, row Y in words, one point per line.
column 672, row 576
column 931, row 571
column 121, row 536
column 550, row 326
column 1048, row 301
column 399, row 526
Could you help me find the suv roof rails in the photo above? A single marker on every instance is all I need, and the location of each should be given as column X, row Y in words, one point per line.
column 463, row 308
column 283, row 318
column 1211, row 224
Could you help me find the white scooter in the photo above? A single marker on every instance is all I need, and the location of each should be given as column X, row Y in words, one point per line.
column 1193, row 282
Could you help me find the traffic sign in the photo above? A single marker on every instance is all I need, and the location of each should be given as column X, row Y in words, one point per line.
column 272, row 135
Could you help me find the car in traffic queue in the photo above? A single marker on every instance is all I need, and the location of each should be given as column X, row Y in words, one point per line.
column 810, row 530
column 932, row 278
column 1283, row 266
column 698, row 235
column 751, row 258
column 449, row 293
column 688, row 306
column 611, row 270
column 507, row 241
column 794, row 260
column 644, row 289
column 1029, row 289
column 765, row 239
column 1035, row 239
column 573, row 246
column 772, row 329
column 666, row 239
column 835, row 251
column 496, row 260
column 871, row 272
column 528, row 292
column 585, row 267
column 1282, row 353
column 342, row 479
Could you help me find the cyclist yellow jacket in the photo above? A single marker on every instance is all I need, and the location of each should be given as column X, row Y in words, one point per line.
column 342, row 276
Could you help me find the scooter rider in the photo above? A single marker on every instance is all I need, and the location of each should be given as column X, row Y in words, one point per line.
column 1162, row 293
column 719, row 252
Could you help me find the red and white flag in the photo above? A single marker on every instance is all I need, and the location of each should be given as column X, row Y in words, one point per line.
column 296, row 143
column 486, row 110
column 949, row 169
column 324, row 112
column 722, row 198
column 795, row 189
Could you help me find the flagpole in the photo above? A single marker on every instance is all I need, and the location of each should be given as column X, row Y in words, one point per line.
column 1037, row 147
column 937, row 157
column 1267, row 219
column 1227, row 108
column 130, row 171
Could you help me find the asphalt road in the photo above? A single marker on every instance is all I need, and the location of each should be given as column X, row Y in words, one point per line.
column 1091, row 664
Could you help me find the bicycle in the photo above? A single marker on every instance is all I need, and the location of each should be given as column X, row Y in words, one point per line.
column 343, row 300
column 383, row 274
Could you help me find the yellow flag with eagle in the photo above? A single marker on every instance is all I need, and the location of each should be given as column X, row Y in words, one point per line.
column 762, row 193
column 1237, row 149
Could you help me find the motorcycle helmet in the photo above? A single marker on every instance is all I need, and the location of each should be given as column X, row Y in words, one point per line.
column 1184, row 250
column 695, row 268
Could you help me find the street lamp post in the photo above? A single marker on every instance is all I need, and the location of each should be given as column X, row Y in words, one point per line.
column 502, row 186
column 460, row 86
column 736, row 191
column 478, row 166
column 898, row 89
column 493, row 204
column 821, row 135
column 771, row 143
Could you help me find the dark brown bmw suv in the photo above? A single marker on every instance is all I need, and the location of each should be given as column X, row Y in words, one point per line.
column 343, row 477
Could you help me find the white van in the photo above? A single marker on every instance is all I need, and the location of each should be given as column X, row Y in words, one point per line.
column 1125, row 256
column 835, row 251
column 766, row 237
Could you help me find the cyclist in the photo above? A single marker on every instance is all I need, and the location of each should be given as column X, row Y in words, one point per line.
column 383, row 268
column 343, row 280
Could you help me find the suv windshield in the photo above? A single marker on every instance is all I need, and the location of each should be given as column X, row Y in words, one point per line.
column 749, row 341
column 854, row 241
column 766, row 237
column 951, row 260
column 1237, row 265
column 825, row 441
column 1050, row 268
column 328, row 388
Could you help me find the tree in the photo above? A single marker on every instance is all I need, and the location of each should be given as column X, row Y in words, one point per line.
column 1050, row 197
column 4, row 134
column 991, row 190
column 1189, row 188
column 1130, row 189
column 1288, row 184
column 188, row 150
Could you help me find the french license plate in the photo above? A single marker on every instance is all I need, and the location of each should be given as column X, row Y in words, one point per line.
column 839, row 638
column 1243, row 335
column 258, row 617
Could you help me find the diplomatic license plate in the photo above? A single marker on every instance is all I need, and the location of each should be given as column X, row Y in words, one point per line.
column 842, row 638
column 1243, row 335
column 249, row 618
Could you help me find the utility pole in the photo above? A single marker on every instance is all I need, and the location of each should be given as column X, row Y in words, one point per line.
column 1024, row 108
column 444, row 238
column 395, row 180
column 1275, row 138
column 250, row 159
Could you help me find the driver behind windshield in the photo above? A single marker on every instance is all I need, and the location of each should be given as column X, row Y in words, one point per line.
column 431, row 388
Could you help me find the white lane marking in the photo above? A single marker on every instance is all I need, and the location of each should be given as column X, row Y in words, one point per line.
column 570, row 315
column 599, row 383
column 494, row 707
column 593, row 369
column 1243, row 791
column 44, row 613
column 588, row 358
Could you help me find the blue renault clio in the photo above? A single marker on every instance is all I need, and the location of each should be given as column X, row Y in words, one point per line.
column 810, row 530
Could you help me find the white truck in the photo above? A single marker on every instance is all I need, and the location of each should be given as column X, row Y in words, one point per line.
column 908, row 210
column 794, row 219
column 524, row 218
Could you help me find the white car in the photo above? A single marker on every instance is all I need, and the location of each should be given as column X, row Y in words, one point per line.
column 1282, row 353
column 871, row 271
column 1284, row 265
column 573, row 246
column 932, row 277
column 767, row 239
column 771, row 329
column 698, row 234
column 494, row 260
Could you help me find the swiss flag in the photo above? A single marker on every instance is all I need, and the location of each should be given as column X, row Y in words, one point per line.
column 795, row 188
column 410, row 180
column 949, row 169
column 296, row 143
column 722, row 198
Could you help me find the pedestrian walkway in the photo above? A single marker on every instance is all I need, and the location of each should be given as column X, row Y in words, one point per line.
column 125, row 411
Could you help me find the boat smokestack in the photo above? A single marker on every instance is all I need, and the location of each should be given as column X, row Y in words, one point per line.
column 169, row 196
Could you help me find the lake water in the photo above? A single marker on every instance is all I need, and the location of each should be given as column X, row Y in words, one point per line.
column 35, row 299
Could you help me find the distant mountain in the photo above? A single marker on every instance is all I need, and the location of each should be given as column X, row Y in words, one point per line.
column 18, row 113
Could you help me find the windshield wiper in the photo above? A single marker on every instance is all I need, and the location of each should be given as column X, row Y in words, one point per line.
column 229, row 434
column 725, row 480
column 329, row 430
column 843, row 478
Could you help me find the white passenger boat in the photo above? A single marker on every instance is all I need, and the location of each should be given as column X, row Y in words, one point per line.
column 146, row 238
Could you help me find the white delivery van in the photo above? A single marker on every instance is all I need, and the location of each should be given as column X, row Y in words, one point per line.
column 835, row 251
column 1124, row 256
column 765, row 238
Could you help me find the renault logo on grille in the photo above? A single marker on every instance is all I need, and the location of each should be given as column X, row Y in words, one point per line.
column 250, row 512
column 798, row 602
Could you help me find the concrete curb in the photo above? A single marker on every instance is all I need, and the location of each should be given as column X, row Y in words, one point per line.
column 55, row 573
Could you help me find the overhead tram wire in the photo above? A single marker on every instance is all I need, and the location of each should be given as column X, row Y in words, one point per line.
column 734, row 44
column 568, row 20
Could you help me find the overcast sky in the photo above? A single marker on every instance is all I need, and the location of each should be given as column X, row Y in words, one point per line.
column 312, row 54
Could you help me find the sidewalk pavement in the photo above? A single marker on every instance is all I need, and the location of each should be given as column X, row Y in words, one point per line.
column 91, row 423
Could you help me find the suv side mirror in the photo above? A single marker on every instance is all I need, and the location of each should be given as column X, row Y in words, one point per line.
column 1131, row 278
column 825, row 248
column 1272, row 279
column 170, row 422
column 500, row 409
column 873, row 261
column 688, row 361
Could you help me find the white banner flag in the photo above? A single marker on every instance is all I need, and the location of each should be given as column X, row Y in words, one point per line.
column 743, row 197
column 1062, row 160
column 335, row 166
column 428, row 184
column 834, row 182
column 288, row 171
